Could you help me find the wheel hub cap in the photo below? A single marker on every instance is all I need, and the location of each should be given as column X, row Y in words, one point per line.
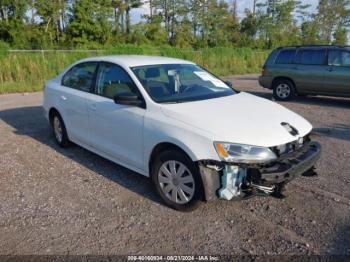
column 176, row 182
column 283, row 90
column 57, row 129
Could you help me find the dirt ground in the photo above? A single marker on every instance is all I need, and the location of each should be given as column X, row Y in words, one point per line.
column 71, row 201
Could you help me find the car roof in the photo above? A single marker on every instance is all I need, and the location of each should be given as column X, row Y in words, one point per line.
column 136, row 60
column 315, row 46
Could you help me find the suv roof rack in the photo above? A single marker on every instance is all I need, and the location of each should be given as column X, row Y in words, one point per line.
column 299, row 46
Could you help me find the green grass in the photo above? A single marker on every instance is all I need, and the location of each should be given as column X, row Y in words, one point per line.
column 27, row 71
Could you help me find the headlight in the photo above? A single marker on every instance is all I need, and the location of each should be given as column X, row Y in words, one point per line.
column 238, row 153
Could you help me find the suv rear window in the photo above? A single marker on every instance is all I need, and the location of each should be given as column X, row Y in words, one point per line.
column 286, row 56
column 311, row 56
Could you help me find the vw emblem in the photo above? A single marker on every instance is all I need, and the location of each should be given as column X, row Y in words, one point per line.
column 290, row 129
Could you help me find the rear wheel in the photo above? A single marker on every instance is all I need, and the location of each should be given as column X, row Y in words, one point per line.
column 177, row 180
column 59, row 130
column 284, row 90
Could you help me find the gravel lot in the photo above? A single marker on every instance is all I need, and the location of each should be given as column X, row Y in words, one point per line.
column 71, row 201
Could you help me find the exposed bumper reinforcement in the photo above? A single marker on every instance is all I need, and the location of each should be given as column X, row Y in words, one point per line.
column 286, row 169
column 268, row 177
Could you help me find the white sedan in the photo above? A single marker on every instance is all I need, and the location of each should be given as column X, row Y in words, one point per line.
column 169, row 119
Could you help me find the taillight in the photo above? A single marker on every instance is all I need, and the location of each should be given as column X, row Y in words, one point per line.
column 264, row 71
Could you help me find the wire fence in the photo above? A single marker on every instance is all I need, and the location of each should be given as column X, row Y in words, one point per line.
column 27, row 70
column 202, row 57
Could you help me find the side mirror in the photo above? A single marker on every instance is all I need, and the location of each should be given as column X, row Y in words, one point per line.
column 229, row 83
column 129, row 99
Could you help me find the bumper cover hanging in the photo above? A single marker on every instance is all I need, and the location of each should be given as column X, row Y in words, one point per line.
column 281, row 171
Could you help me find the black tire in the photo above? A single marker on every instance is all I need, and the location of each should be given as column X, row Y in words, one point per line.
column 180, row 158
column 284, row 90
column 64, row 140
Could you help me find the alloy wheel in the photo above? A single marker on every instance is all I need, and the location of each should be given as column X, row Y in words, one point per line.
column 283, row 91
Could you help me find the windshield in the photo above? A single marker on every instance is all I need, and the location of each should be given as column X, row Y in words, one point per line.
column 176, row 83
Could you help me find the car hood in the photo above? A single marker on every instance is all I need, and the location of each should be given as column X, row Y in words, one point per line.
column 241, row 118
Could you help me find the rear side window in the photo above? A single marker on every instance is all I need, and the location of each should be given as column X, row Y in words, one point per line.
column 311, row 56
column 272, row 57
column 80, row 76
column 339, row 58
column 286, row 56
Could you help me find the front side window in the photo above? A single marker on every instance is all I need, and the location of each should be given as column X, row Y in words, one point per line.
column 339, row 58
column 311, row 56
column 113, row 80
column 175, row 83
column 80, row 76
column 286, row 57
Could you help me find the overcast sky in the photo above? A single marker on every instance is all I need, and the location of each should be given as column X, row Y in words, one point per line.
column 242, row 5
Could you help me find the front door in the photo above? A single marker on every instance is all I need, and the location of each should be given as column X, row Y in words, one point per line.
column 116, row 130
column 337, row 74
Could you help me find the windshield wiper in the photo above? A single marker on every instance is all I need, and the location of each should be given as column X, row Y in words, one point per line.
column 172, row 102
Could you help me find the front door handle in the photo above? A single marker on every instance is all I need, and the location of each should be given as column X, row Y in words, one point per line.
column 63, row 98
column 330, row 69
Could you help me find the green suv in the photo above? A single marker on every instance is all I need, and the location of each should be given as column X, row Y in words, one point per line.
column 307, row 70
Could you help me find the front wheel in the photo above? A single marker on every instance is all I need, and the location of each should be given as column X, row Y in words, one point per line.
column 177, row 180
column 284, row 90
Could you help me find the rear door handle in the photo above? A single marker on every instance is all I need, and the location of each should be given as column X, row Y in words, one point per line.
column 330, row 69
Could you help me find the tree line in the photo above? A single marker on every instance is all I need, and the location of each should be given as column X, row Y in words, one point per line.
column 42, row 24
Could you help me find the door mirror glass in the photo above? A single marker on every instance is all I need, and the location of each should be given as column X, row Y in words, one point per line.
column 128, row 98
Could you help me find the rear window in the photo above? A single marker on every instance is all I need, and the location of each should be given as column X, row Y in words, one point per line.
column 286, row 56
column 311, row 56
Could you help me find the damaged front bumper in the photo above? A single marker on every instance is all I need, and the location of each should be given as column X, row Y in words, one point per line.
column 227, row 180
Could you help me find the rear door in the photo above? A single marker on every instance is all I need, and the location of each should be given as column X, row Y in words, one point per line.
column 76, row 86
column 337, row 74
column 310, row 69
column 284, row 64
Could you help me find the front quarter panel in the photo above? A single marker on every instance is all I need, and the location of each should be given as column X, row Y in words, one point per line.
column 158, row 128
